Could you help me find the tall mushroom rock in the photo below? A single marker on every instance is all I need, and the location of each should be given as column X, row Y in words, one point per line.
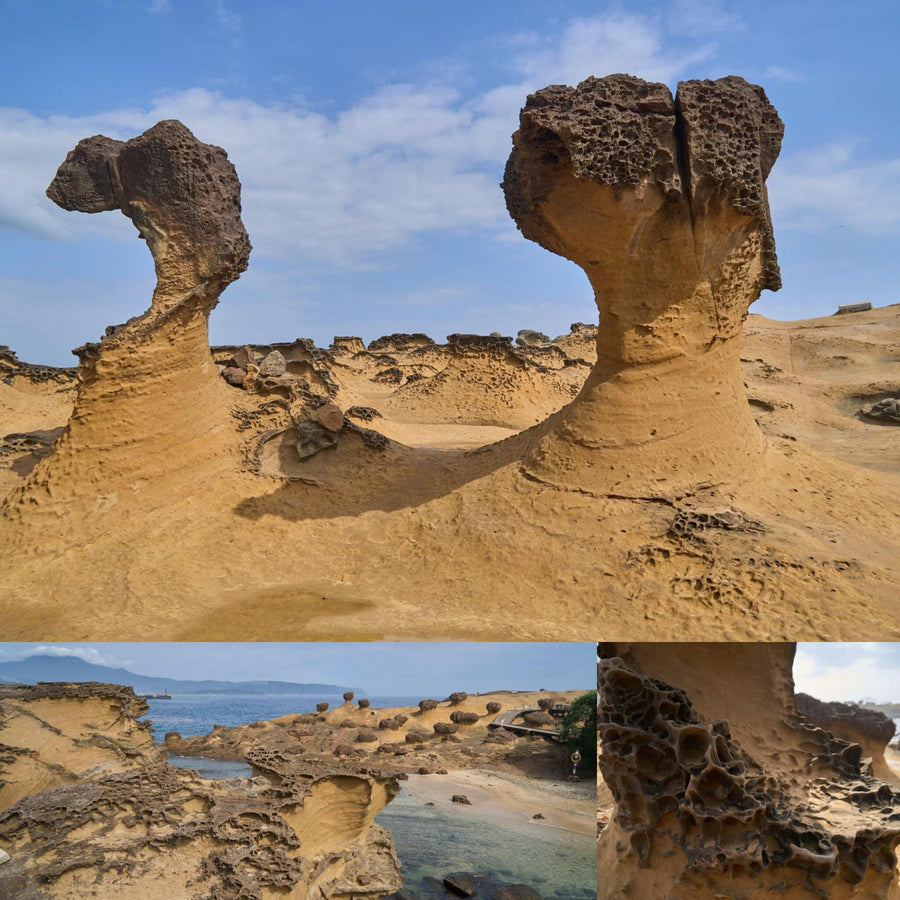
column 662, row 201
column 149, row 399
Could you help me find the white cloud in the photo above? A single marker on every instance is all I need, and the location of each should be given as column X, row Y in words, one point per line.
column 830, row 187
column 227, row 18
column 88, row 654
column 780, row 73
column 702, row 18
column 601, row 45
column 347, row 187
column 849, row 672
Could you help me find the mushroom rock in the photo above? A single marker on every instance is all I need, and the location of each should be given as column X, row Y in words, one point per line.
column 662, row 201
column 723, row 789
column 150, row 403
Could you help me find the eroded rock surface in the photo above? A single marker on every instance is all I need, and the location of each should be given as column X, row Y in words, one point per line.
column 130, row 826
column 149, row 403
column 55, row 734
column 662, row 202
column 869, row 728
column 785, row 810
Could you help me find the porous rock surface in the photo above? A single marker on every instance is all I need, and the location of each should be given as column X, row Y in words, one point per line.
column 55, row 733
column 149, row 400
column 662, row 202
column 701, row 813
column 129, row 825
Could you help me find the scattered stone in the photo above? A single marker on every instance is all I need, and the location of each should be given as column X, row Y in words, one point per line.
column 464, row 718
column 321, row 706
column 242, row 358
column 493, row 707
column 461, row 798
column 311, row 438
column 458, row 697
column 537, row 816
column 388, row 724
column 416, row 737
column 348, row 695
column 234, row 375
column 366, row 736
column 527, row 337
column 426, row 705
column 460, row 883
column 273, row 366
column 330, row 416
column 445, row 727
column 887, row 410
column 538, row 719
column 517, row 892
column 363, row 703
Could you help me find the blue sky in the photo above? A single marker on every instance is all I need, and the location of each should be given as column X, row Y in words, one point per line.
column 382, row 668
column 829, row 671
column 371, row 137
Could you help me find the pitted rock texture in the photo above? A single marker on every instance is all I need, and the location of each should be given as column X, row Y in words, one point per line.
column 149, row 404
column 109, row 819
column 698, row 816
column 662, row 202
column 182, row 195
column 161, row 828
column 53, row 734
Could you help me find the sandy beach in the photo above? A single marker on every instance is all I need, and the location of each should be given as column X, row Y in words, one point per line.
column 509, row 800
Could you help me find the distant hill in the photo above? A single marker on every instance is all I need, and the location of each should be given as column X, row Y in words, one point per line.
column 72, row 668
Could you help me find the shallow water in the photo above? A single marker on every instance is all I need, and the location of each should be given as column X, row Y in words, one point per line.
column 211, row 768
column 435, row 840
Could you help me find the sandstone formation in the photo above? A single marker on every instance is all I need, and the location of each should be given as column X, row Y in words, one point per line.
column 869, row 728
column 57, row 734
column 149, row 402
column 105, row 817
column 722, row 789
column 662, row 202
column 465, row 490
column 402, row 740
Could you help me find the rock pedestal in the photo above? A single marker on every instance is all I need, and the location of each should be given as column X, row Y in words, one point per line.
column 662, row 202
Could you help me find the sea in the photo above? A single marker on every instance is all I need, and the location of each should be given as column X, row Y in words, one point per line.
column 430, row 841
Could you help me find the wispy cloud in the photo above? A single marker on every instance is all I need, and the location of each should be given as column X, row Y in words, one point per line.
column 849, row 672
column 833, row 187
column 88, row 654
column 346, row 187
column 780, row 73
column 226, row 17
column 702, row 18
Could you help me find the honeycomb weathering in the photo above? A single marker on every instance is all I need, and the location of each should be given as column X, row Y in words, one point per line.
column 150, row 403
column 662, row 201
column 700, row 814
column 115, row 821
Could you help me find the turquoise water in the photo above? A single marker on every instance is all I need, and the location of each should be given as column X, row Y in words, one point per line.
column 434, row 841
column 431, row 841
